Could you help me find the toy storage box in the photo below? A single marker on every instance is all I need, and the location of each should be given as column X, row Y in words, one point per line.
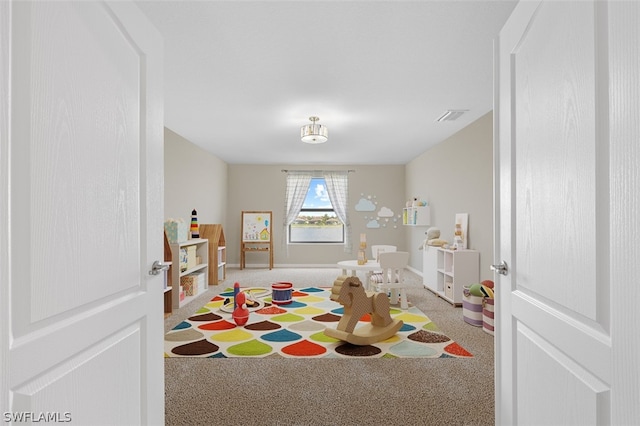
column 190, row 284
column 176, row 232
column 448, row 289
column 488, row 315
column 202, row 281
column 471, row 308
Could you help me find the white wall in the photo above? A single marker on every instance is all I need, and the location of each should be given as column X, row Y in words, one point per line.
column 193, row 179
column 456, row 176
column 262, row 187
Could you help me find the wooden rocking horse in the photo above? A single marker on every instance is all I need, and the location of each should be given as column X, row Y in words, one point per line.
column 349, row 292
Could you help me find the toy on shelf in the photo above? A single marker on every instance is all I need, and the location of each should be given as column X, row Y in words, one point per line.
column 349, row 292
column 240, row 314
column 176, row 230
column 195, row 232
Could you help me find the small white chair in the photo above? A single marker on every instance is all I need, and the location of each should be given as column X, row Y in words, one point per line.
column 379, row 248
column 393, row 265
column 376, row 276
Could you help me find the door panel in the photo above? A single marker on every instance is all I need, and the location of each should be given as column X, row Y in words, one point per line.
column 554, row 106
column 554, row 330
column 583, row 396
column 84, row 371
column 82, row 175
column 87, row 215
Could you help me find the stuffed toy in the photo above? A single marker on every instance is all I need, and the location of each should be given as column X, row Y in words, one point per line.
column 433, row 238
column 433, row 233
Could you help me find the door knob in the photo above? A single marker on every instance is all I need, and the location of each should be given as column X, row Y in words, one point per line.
column 501, row 269
column 158, row 267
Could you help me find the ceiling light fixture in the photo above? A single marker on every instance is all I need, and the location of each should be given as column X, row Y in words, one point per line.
column 314, row 133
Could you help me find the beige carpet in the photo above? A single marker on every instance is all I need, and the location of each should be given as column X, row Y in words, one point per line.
column 269, row 391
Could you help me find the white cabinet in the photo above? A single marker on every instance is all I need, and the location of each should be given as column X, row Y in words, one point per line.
column 430, row 268
column 454, row 269
column 179, row 270
column 416, row 216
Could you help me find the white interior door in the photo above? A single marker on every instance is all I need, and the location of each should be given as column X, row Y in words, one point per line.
column 567, row 200
column 81, row 181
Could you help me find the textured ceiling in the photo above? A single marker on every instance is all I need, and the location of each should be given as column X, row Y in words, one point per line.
column 242, row 77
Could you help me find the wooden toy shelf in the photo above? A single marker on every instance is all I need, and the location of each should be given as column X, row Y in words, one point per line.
column 217, row 252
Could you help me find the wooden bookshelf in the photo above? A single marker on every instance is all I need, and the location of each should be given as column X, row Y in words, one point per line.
column 217, row 252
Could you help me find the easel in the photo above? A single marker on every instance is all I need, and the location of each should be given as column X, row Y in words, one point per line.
column 255, row 235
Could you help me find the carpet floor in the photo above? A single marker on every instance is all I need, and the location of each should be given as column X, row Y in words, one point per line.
column 321, row 391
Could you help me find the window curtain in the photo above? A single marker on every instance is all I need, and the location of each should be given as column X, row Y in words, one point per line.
column 338, row 191
column 296, row 192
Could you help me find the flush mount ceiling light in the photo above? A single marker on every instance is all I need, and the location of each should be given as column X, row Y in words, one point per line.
column 314, row 133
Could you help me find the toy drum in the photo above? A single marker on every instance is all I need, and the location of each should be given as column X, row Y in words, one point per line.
column 281, row 293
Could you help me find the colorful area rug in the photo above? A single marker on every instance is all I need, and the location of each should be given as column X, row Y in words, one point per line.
column 296, row 330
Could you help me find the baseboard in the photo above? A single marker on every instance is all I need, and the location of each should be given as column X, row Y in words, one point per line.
column 414, row 270
column 302, row 265
column 284, row 265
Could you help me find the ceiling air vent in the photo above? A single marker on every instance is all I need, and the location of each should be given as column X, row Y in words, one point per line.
column 451, row 115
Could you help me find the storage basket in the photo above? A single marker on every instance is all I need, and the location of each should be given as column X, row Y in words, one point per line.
column 202, row 281
column 176, row 231
column 448, row 290
column 487, row 315
column 471, row 308
column 190, row 284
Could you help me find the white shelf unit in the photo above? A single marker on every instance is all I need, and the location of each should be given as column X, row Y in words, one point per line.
column 202, row 251
column 454, row 269
column 416, row 216
column 222, row 263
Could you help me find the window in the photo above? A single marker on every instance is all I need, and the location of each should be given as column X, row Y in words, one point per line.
column 301, row 201
column 317, row 221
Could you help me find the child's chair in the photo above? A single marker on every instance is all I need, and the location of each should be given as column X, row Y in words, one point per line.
column 377, row 249
column 393, row 265
column 375, row 277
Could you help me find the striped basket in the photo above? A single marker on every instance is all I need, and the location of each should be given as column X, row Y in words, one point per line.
column 487, row 315
column 471, row 308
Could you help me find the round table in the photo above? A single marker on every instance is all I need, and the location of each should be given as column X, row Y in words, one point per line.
column 353, row 266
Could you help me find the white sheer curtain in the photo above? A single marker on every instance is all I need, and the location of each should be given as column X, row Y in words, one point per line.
column 337, row 188
column 338, row 191
column 296, row 192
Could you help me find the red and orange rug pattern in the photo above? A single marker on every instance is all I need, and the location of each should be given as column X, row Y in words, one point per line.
column 296, row 330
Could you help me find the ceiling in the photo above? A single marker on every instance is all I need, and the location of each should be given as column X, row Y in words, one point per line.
column 242, row 77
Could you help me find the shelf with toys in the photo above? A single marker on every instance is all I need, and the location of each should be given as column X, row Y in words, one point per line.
column 416, row 213
column 189, row 270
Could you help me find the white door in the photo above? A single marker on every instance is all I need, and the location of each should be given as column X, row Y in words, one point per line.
column 81, row 181
column 567, row 204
